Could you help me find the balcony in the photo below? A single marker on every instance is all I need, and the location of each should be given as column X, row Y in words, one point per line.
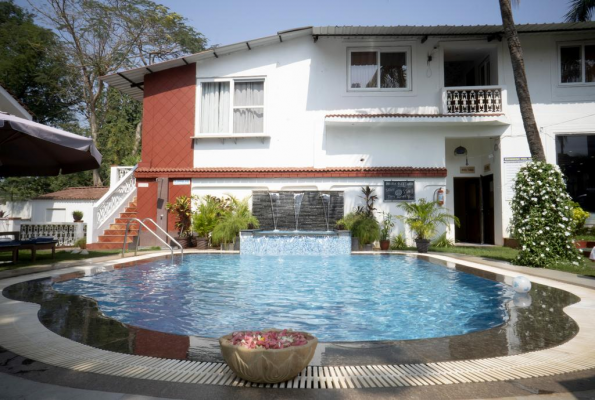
column 470, row 100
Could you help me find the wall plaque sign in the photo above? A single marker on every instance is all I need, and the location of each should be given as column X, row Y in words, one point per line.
column 399, row 190
column 468, row 169
column 181, row 182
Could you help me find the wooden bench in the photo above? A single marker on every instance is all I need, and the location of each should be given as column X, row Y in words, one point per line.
column 32, row 244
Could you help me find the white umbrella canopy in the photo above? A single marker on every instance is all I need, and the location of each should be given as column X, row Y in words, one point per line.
column 31, row 149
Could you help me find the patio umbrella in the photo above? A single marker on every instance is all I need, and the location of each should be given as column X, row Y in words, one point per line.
column 31, row 149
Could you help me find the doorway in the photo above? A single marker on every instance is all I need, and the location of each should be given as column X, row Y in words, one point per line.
column 474, row 206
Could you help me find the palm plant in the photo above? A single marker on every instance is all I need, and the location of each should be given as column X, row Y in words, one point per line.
column 183, row 212
column 520, row 81
column 424, row 218
column 238, row 218
column 580, row 10
column 208, row 213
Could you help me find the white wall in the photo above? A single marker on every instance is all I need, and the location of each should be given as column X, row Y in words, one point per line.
column 241, row 188
column 39, row 209
column 304, row 81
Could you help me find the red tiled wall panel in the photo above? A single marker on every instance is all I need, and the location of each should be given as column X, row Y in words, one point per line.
column 174, row 192
column 168, row 118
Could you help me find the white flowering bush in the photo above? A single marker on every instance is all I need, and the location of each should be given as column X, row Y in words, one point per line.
column 542, row 217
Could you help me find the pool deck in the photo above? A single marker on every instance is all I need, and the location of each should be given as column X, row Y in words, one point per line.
column 21, row 333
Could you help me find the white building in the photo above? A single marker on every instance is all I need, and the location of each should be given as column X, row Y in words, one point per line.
column 337, row 108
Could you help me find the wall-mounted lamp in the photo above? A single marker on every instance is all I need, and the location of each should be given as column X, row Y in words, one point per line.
column 461, row 151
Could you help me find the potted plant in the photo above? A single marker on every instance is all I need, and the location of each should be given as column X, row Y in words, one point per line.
column 269, row 356
column 362, row 223
column 366, row 230
column 236, row 219
column 424, row 218
column 208, row 213
column 182, row 210
column 387, row 226
column 77, row 216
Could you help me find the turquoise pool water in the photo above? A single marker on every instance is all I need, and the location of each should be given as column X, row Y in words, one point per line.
column 336, row 298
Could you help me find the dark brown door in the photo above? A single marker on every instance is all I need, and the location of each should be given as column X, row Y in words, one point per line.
column 467, row 195
column 487, row 200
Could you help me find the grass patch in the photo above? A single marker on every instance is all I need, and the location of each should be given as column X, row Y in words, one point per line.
column 45, row 257
column 590, row 238
column 586, row 267
column 494, row 252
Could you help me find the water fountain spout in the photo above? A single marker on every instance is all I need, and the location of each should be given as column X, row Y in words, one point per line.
column 326, row 203
column 297, row 204
column 274, row 203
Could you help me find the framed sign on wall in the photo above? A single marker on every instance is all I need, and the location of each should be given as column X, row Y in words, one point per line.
column 399, row 190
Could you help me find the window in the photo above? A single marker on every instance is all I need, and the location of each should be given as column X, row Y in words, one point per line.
column 577, row 63
column 232, row 106
column 379, row 70
column 576, row 158
column 55, row 215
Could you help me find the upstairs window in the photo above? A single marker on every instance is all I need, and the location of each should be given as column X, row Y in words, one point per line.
column 379, row 70
column 577, row 63
column 234, row 106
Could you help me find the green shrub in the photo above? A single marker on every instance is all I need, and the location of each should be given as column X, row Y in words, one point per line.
column 238, row 218
column 542, row 216
column 182, row 209
column 81, row 243
column 442, row 241
column 399, row 242
column 424, row 218
column 387, row 226
column 579, row 217
column 208, row 213
column 366, row 229
column 349, row 220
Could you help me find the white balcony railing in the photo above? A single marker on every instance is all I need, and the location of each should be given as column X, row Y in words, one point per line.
column 474, row 100
column 66, row 233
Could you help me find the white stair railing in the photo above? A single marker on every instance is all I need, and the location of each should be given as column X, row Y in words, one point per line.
column 112, row 203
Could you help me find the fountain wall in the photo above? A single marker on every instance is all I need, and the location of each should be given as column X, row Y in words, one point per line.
column 311, row 215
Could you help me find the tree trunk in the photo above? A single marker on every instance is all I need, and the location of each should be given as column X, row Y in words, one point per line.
column 137, row 138
column 93, row 125
column 520, row 81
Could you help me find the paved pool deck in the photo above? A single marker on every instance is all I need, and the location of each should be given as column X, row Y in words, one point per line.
column 567, row 367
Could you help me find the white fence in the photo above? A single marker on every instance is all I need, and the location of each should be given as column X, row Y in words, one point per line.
column 65, row 233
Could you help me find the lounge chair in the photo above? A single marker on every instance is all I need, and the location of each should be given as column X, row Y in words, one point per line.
column 41, row 243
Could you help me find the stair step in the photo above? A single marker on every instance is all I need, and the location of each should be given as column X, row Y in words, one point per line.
column 122, row 226
column 128, row 215
column 130, row 210
column 124, row 220
column 104, row 246
column 120, row 232
column 115, row 239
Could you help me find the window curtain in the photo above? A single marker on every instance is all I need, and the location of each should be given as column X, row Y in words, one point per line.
column 215, row 107
column 246, row 117
column 364, row 70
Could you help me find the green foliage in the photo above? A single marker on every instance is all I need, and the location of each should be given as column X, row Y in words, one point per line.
column 81, row 243
column 424, row 218
column 542, row 216
column 77, row 215
column 579, row 10
column 398, row 242
column 209, row 211
column 387, row 226
column 442, row 241
column 237, row 218
column 26, row 188
column 369, row 198
column 366, row 229
column 348, row 220
column 579, row 217
column 33, row 67
column 182, row 210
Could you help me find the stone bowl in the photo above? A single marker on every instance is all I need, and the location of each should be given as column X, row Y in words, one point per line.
column 267, row 366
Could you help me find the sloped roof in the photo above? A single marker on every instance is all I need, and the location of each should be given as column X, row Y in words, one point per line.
column 76, row 193
column 131, row 81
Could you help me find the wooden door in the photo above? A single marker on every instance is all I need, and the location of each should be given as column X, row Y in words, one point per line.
column 467, row 196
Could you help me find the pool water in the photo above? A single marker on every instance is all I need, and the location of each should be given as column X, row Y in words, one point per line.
column 338, row 298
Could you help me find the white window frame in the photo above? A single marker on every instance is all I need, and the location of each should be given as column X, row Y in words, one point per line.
column 582, row 45
column 231, row 102
column 379, row 50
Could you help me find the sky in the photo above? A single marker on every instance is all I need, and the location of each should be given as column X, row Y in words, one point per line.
column 230, row 21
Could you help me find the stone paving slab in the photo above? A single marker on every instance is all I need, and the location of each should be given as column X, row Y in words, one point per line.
column 23, row 334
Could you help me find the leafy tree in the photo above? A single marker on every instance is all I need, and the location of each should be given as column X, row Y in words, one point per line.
column 33, row 67
column 580, row 10
column 520, row 81
column 104, row 36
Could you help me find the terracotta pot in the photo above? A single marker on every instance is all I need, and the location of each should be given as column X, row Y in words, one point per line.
column 267, row 366
column 422, row 245
column 202, row 243
column 384, row 245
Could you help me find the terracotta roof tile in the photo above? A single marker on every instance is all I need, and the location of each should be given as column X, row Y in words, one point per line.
column 76, row 193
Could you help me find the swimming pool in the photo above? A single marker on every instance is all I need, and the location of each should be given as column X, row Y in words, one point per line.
column 338, row 298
